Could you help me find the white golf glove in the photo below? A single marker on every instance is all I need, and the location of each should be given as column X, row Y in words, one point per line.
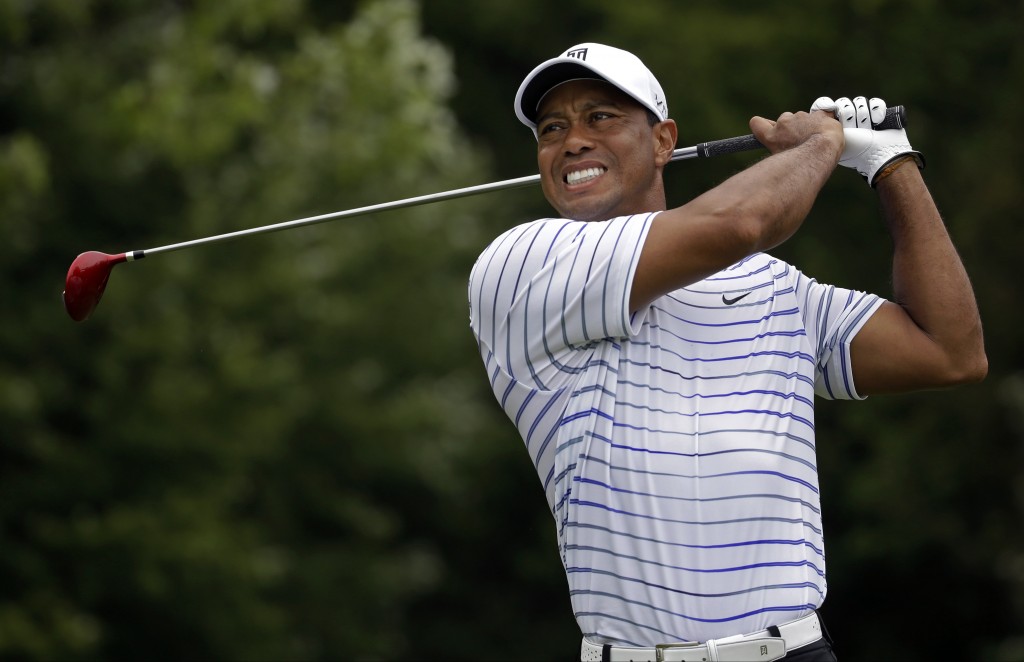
column 868, row 150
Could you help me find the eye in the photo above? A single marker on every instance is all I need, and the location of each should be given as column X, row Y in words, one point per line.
column 599, row 115
column 549, row 127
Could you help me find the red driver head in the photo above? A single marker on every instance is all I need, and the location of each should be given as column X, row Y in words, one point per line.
column 87, row 278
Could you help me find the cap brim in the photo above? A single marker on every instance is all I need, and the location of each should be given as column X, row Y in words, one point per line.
column 547, row 79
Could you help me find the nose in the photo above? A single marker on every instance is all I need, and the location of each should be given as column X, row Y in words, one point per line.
column 577, row 139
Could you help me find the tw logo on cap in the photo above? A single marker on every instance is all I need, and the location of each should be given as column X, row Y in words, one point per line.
column 579, row 54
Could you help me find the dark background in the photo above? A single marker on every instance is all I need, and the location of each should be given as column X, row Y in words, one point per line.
column 285, row 447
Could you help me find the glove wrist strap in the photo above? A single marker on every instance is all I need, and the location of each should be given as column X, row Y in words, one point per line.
column 895, row 163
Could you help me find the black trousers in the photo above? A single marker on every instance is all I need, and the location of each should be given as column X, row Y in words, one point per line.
column 819, row 651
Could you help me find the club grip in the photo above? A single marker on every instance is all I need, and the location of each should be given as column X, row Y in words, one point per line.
column 895, row 118
column 728, row 146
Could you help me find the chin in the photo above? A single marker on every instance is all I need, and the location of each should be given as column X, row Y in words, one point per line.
column 585, row 213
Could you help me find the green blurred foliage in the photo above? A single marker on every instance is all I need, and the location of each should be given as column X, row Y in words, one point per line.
column 285, row 447
column 248, row 452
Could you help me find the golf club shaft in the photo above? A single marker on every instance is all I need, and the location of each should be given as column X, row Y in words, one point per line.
column 895, row 117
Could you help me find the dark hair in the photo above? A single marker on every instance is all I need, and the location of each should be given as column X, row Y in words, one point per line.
column 652, row 119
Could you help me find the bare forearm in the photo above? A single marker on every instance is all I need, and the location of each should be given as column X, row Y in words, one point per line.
column 929, row 279
column 770, row 200
column 752, row 211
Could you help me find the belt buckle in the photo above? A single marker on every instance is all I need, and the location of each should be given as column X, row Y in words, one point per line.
column 767, row 649
column 659, row 649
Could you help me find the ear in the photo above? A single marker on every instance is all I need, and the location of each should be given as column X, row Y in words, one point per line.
column 665, row 136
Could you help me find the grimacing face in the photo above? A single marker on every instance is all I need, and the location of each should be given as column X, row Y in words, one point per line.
column 597, row 153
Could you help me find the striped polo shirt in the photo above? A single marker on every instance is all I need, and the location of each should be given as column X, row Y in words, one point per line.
column 675, row 445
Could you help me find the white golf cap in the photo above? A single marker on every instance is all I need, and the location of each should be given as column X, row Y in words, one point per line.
column 591, row 61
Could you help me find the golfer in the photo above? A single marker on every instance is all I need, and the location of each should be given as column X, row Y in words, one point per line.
column 661, row 367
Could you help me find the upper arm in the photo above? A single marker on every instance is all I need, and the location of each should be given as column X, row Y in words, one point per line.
column 892, row 354
column 752, row 211
column 683, row 246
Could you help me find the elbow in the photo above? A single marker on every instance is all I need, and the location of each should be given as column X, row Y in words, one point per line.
column 975, row 361
column 971, row 368
column 742, row 225
column 763, row 225
column 749, row 231
column 977, row 371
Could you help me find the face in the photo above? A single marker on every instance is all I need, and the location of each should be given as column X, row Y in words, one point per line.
column 597, row 153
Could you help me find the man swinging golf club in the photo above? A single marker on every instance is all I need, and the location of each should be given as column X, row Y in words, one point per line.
column 661, row 367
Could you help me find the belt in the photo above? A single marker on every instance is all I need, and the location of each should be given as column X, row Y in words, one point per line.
column 766, row 645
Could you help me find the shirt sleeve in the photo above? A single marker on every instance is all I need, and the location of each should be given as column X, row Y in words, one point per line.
column 832, row 317
column 544, row 293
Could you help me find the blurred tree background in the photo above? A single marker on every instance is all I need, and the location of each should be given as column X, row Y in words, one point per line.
column 285, row 447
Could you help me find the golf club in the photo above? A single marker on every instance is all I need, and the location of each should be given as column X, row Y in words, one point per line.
column 88, row 275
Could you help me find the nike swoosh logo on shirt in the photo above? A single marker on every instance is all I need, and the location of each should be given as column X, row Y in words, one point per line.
column 727, row 301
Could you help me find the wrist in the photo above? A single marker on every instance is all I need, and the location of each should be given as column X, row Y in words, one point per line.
column 896, row 164
column 828, row 144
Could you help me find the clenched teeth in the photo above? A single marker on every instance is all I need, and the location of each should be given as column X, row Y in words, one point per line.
column 585, row 175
